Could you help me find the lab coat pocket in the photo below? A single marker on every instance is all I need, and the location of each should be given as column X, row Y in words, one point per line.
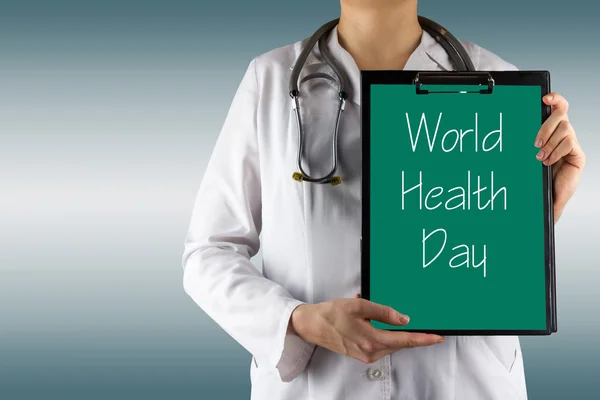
column 503, row 354
column 264, row 386
column 503, row 348
column 255, row 370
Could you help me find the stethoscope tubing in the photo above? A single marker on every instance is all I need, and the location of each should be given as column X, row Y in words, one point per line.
column 457, row 53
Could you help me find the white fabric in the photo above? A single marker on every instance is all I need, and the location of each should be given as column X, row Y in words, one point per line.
column 310, row 244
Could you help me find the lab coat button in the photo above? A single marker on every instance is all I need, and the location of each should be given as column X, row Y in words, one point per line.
column 375, row 374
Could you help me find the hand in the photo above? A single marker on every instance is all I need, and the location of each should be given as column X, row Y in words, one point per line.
column 342, row 326
column 559, row 147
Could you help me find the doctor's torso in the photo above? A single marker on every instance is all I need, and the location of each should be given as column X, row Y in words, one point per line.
column 310, row 240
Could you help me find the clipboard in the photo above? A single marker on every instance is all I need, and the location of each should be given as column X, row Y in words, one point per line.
column 409, row 142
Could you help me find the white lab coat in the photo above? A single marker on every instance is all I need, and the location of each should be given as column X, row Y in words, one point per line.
column 310, row 242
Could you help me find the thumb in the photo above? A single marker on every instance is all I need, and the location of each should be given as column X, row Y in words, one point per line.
column 381, row 313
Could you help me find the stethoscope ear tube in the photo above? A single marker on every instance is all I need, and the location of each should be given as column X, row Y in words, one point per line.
column 293, row 86
column 337, row 69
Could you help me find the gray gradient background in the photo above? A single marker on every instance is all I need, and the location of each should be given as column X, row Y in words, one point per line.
column 108, row 114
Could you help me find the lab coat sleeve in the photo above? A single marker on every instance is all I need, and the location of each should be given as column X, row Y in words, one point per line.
column 222, row 237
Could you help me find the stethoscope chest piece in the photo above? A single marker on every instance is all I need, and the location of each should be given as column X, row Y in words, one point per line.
column 334, row 180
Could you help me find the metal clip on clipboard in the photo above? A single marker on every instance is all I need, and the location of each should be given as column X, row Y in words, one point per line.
column 454, row 78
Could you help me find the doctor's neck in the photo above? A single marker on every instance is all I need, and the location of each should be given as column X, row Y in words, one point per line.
column 379, row 34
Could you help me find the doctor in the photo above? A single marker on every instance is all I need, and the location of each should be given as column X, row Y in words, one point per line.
column 301, row 318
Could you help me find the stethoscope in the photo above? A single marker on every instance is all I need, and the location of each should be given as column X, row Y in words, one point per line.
column 457, row 53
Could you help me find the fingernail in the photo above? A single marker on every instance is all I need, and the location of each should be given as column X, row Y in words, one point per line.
column 549, row 97
column 538, row 143
column 441, row 340
column 540, row 155
column 403, row 318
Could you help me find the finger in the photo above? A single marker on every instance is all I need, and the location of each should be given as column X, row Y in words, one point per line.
column 562, row 149
column 418, row 342
column 397, row 340
column 557, row 102
column 379, row 312
column 562, row 131
column 548, row 127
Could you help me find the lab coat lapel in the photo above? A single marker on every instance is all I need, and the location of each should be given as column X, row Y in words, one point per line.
column 437, row 56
